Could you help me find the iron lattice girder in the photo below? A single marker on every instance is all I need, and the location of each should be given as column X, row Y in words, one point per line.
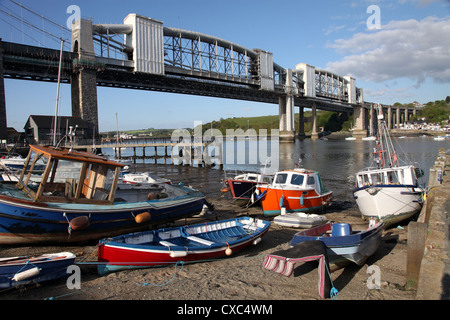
column 208, row 56
column 330, row 85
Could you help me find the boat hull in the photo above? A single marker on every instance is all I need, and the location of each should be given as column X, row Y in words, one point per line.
column 299, row 200
column 355, row 247
column 51, row 266
column 299, row 220
column 241, row 189
column 27, row 222
column 220, row 239
column 390, row 203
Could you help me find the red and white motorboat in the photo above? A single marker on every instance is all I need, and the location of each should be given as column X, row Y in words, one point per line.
column 296, row 190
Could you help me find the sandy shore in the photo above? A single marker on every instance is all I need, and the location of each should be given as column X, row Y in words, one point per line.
column 239, row 277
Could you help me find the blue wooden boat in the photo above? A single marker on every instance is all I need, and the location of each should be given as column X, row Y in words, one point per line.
column 22, row 270
column 88, row 205
column 344, row 244
column 192, row 243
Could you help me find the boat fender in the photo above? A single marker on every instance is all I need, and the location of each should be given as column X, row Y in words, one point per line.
column 177, row 254
column 282, row 202
column 301, row 200
column 228, row 251
column 26, row 274
column 256, row 241
column 143, row 217
column 79, row 223
column 224, row 190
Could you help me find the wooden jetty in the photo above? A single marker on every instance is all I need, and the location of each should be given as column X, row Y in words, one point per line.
column 179, row 153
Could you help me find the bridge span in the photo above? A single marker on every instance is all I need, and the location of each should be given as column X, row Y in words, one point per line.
column 159, row 58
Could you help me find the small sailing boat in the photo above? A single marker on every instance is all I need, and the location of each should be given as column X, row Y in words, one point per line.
column 243, row 187
column 21, row 270
column 343, row 243
column 88, row 206
column 390, row 191
column 192, row 243
column 300, row 220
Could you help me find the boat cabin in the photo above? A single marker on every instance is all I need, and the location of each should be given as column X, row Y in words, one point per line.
column 299, row 178
column 69, row 176
column 254, row 177
column 405, row 175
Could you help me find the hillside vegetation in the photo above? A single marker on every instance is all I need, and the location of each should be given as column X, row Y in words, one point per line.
column 436, row 112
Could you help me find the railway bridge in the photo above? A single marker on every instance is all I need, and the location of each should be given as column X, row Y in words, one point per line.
column 159, row 58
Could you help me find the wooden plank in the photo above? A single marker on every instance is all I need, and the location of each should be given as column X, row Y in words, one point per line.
column 44, row 178
column 81, row 179
column 417, row 235
column 112, row 192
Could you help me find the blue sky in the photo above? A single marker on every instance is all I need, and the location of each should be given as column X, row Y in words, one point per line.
column 406, row 59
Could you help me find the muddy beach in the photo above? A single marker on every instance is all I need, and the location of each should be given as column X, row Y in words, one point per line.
column 238, row 277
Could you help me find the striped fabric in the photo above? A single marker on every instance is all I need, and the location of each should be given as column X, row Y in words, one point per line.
column 285, row 266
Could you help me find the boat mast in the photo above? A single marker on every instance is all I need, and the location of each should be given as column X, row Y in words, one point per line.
column 57, row 94
column 384, row 142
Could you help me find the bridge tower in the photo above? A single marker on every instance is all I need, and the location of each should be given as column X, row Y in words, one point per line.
column 84, row 78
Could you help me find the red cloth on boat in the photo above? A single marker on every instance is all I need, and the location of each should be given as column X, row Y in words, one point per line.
column 283, row 262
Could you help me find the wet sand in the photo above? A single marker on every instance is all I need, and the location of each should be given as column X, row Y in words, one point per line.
column 238, row 277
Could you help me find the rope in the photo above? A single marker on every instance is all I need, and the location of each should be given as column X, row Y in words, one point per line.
column 333, row 292
column 166, row 283
column 26, row 264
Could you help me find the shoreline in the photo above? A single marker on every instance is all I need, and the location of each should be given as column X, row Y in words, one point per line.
column 239, row 277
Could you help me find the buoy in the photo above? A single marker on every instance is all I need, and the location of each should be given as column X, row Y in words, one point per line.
column 224, row 190
column 228, row 252
column 26, row 274
column 143, row 217
column 79, row 223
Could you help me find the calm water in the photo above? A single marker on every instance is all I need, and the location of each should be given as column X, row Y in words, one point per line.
column 336, row 160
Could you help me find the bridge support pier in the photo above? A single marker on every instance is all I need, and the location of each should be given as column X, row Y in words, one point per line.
column 301, row 122
column 389, row 117
column 314, row 133
column 359, row 117
column 286, row 108
column 372, row 121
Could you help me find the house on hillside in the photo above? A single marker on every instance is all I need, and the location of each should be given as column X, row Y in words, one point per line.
column 39, row 129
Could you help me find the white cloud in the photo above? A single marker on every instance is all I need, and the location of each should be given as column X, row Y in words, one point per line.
column 388, row 94
column 400, row 49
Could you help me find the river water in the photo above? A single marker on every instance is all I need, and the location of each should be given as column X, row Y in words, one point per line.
column 336, row 160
